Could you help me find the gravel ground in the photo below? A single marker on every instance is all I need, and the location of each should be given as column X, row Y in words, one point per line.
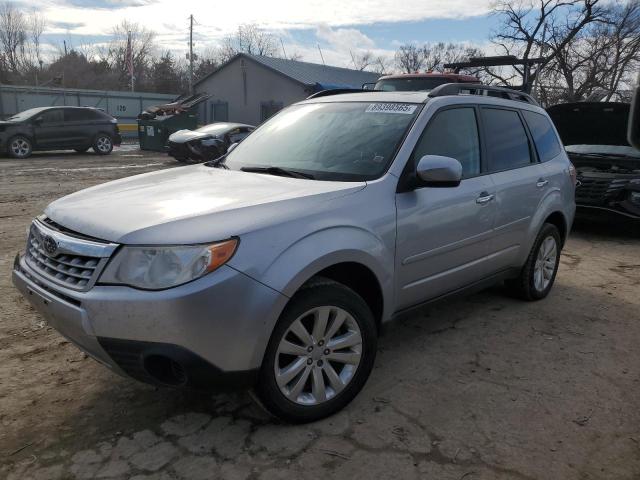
column 483, row 388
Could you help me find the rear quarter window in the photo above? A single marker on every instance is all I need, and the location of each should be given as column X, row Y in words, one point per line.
column 544, row 136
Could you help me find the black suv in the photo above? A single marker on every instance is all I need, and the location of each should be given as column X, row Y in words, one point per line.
column 59, row 128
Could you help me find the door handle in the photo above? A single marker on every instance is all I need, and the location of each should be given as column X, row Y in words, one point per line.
column 541, row 182
column 484, row 198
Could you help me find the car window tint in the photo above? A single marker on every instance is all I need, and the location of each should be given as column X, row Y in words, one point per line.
column 507, row 141
column 52, row 116
column 544, row 136
column 78, row 115
column 452, row 133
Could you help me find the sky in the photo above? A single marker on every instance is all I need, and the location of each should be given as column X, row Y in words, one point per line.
column 339, row 27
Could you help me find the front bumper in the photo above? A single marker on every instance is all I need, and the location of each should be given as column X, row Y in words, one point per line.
column 215, row 328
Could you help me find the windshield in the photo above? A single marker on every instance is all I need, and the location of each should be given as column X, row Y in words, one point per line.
column 350, row 141
column 409, row 84
column 18, row 117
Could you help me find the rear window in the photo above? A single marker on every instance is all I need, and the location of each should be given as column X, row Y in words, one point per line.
column 507, row 141
column 544, row 136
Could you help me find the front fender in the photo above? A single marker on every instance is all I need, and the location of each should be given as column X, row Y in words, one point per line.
column 316, row 251
column 321, row 249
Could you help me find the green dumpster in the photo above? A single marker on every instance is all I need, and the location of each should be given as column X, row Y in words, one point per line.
column 153, row 133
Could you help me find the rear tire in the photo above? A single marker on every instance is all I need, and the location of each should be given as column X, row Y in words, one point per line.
column 331, row 366
column 19, row 147
column 539, row 272
column 103, row 144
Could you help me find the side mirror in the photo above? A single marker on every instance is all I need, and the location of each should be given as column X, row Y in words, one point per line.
column 439, row 171
column 232, row 147
column 37, row 121
column 633, row 129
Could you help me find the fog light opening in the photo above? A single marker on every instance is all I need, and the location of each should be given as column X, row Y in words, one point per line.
column 165, row 370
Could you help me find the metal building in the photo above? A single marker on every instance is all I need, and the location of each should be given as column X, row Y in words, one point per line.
column 125, row 106
column 251, row 88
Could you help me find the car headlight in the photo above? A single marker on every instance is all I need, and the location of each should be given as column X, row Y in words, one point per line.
column 160, row 267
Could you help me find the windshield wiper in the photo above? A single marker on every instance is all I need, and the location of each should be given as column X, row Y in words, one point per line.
column 283, row 172
column 217, row 162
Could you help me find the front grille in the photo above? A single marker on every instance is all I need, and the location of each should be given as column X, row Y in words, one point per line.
column 600, row 190
column 73, row 270
column 69, row 261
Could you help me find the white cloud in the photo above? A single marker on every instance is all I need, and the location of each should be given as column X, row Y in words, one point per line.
column 344, row 37
column 224, row 17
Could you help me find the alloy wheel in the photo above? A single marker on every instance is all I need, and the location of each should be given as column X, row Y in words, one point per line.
column 545, row 263
column 103, row 144
column 318, row 355
column 20, row 147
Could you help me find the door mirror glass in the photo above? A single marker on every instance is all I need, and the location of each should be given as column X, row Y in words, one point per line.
column 232, row 147
column 633, row 132
column 439, row 171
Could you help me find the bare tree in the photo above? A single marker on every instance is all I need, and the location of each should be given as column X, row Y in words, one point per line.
column 249, row 38
column 525, row 25
column 142, row 48
column 13, row 36
column 409, row 58
column 36, row 27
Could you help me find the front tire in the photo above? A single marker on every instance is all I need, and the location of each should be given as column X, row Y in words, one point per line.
column 103, row 144
column 320, row 354
column 19, row 147
column 539, row 272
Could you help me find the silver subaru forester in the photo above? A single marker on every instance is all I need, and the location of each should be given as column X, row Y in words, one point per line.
column 274, row 266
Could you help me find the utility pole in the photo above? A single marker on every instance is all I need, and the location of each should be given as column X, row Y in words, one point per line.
column 321, row 56
column 283, row 50
column 191, row 54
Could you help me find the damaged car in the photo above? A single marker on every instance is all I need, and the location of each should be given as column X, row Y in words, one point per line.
column 608, row 168
column 206, row 143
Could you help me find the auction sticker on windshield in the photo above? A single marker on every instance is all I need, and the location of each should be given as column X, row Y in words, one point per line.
column 405, row 108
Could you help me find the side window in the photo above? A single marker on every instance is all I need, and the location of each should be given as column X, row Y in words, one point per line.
column 507, row 141
column 78, row 115
column 452, row 133
column 544, row 136
column 52, row 116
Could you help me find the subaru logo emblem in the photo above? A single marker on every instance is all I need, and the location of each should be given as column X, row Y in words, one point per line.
column 50, row 245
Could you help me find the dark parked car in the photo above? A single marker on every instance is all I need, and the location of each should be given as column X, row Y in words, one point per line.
column 595, row 137
column 59, row 128
column 206, row 143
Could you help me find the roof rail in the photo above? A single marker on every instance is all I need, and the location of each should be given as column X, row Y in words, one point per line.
column 336, row 91
column 479, row 89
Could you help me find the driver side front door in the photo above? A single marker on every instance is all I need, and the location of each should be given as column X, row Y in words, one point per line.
column 49, row 129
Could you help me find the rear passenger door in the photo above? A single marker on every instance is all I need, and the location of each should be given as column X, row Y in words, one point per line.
column 81, row 127
column 518, row 179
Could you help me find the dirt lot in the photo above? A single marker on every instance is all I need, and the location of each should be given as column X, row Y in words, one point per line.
column 485, row 388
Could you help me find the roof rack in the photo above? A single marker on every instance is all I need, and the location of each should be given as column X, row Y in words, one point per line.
column 479, row 89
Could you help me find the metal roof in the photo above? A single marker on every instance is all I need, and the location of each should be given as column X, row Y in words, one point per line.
column 308, row 74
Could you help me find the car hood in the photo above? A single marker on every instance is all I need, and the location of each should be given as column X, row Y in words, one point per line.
column 591, row 123
column 187, row 135
column 194, row 204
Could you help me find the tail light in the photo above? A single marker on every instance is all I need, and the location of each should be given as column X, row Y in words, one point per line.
column 573, row 174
